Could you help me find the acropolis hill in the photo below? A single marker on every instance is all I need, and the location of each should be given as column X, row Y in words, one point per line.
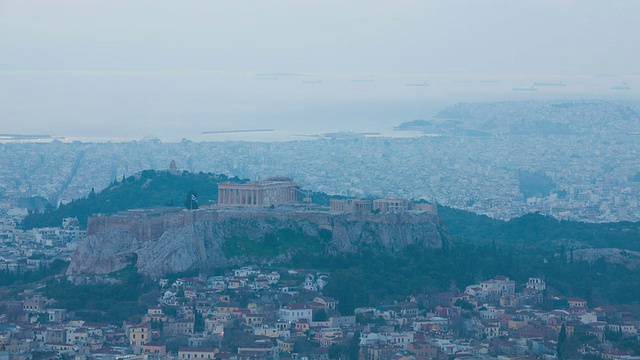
column 165, row 239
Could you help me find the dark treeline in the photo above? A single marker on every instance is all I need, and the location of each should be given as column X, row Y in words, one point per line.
column 126, row 299
column 25, row 276
column 539, row 229
column 370, row 277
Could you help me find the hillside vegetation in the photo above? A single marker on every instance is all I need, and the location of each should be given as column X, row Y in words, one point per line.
column 145, row 189
column 540, row 230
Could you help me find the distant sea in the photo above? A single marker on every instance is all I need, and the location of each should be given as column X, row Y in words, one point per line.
column 132, row 105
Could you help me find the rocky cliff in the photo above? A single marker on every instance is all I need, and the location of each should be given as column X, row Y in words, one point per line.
column 174, row 242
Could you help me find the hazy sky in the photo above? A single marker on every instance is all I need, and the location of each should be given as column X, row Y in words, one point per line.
column 447, row 36
column 126, row 69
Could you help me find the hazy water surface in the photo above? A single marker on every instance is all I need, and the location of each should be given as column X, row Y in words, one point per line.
column 118, row 106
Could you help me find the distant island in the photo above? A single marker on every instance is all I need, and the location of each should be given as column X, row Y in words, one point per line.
column 24, row 136
column 237, row 131
column 525, row 89
column 621, row 86
column 559, row 83
column 278, row 74
column 362, row 80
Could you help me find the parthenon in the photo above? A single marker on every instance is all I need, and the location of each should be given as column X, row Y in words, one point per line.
column 272, row 191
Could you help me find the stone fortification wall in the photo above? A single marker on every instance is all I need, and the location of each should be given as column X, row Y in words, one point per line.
column 147, row 226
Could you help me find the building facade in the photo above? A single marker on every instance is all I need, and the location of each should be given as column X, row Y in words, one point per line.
column 273, row 191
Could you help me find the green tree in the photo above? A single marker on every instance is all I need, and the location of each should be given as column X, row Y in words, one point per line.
column 320, row 315
column 463, row 304
column 354, row 346
column 334, row 352
column 198, row 325
column 561, row 339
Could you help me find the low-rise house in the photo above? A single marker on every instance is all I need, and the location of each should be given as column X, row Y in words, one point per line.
column 409, row 309
column 190, row 293
column 187, row 353
column 490, row 329
column 295, row 312
column 266, row 331
column 106, row 353
column 328, row 302
column 139, row 335
column 338, row 321
column 56, row 335
column 214, row 326
column 490, row 312
column 615, row 354
column 577, row 302
column 378, row 352
column 286, row 346
column 34, row 305
column 60, row 348
column 57, row 315
column 302, row 325
column 226, row 308
column 180, row 327
column 400, row 340
column 154, row 348
column 77, row 336
column 598, row 333
column 245, row 271
column 422, row 350
column 40, row 333
column 588, row 318
column 259, row 349
column 254, row 319
column 273, row 277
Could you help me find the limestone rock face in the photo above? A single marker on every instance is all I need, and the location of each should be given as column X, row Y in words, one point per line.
column 195, row 239
column 390, row 231
column 178, row 249
column 110, row 250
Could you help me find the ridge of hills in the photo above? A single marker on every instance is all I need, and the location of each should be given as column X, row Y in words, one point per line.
column 151, row 188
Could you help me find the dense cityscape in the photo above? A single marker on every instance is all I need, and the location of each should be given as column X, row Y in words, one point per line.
column 252, row 313
column 590, row 156
column 280, row 312
column 319, row 180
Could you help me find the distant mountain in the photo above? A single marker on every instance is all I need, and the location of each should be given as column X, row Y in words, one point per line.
column 557, row 117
